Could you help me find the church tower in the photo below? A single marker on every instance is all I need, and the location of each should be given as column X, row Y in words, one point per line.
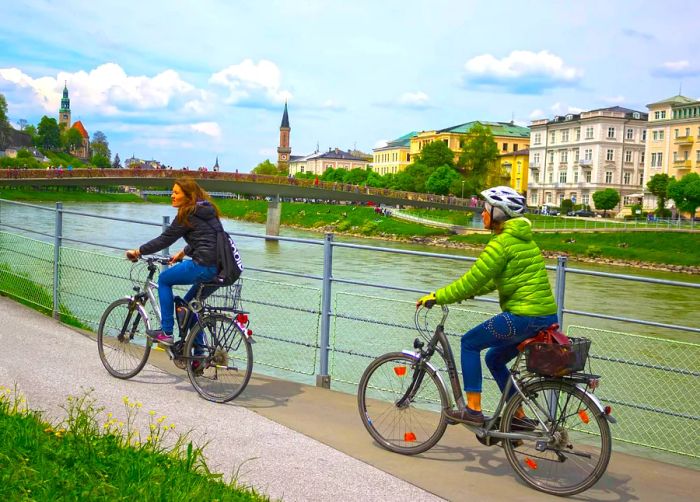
column 64, row 112
column 284, row 150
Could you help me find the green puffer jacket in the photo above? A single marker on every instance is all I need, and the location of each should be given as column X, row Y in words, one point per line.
column 513, row 264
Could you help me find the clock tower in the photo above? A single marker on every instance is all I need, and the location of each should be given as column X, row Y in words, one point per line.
column 64, row 112
column 284, row 150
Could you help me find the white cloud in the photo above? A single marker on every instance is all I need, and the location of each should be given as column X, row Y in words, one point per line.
column 537, row 114
column 107, row 90
column 381, row 143
column 614, row 99
column 252, row 84
column 521, row 72
column 673, row 69
column 331, row 104
column 208, row 128
column 417, row 99
column 560, row 109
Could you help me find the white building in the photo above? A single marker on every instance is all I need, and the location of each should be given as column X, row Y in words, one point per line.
column 318, row 162
column 575, row 155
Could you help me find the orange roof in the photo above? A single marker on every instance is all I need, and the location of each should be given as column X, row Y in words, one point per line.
column 81, row 129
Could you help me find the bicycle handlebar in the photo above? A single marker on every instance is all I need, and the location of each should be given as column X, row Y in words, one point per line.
column 161, row 260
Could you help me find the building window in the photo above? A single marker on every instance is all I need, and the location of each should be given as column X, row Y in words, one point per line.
column 611, row 133
column 576, row 154
column 536, row 159
column 610, row 154
column 626, row 178
column 636, row 115
column 589, row 133
column 697, row 156
column 630, row 134
column 565, row 136
column 675, row 133
column 588, row 176
column 578, row 133
column 550, row 177
column 628, row 156
column 505, row 147
column 653, row 159
column 663, row 114
column 562, row 177
column 537, row 138
column 564, row 156
column 641, row 157
column 584, row 199
column 552, row 137
column 644, row 135
column 575, row 175
column 660, row 159
column 533, row 199
column 687, row 131
column 551, row 158
column 608, row 176
column 301, row 169
column 549, row 197
column 588, row 154
column 520, row 166
column 657, row 115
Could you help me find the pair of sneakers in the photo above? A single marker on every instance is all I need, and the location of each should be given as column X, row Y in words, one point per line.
column 161, row 337
column 476, row 418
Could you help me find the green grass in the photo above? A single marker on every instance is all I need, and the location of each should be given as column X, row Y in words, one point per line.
column 81, row 459
column 64, row 194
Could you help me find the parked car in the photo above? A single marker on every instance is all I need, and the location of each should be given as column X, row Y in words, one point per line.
column 583, row 213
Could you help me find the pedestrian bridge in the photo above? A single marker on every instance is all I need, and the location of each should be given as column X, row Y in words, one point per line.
column 241, row 183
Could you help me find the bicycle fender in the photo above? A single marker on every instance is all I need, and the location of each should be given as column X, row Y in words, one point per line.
column 433, row 370
column 600, row 406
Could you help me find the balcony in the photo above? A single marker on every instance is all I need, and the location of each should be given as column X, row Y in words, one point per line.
column 682, row 164
column 585, row 162
column 684, row 140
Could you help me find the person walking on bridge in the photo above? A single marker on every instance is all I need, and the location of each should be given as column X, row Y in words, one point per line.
column 511, row 263
column 194, row 210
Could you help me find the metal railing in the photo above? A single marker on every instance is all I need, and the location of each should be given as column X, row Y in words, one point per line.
column 329, row 327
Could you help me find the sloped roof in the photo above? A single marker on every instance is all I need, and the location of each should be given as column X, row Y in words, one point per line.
column 285, row 117
column 81, row 129
column 334, row 154
column 674, row 100
column 497, row 128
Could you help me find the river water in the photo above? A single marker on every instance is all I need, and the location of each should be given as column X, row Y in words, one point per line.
column 660, row 303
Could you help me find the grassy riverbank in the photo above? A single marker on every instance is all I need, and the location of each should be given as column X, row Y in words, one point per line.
column 83, row 459
column 65, row 194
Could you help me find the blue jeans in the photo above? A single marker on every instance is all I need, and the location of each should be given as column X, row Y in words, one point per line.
column 501, row 335
column 185, row 272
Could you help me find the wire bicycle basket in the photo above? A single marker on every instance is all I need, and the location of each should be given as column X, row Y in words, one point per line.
column 553, row 359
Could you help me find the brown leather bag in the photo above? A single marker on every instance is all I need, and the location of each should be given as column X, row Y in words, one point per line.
column 549, row 353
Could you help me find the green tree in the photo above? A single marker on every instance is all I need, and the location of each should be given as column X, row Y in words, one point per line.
column 99, row 160
column 49, row 134
column 440, row 181
column 606, row 199
column 117, row 164
column 658, row 185
column 685, row 192
column 479, row 154
column 4, row 123
column 356, row 176
column 266, row 167
column 566, row 206
column 100, row 145
column 71, row 139
column 436, row 154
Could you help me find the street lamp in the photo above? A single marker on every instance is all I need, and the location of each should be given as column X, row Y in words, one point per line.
column 462, row 188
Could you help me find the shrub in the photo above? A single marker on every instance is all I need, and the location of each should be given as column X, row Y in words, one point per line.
column 593, row 252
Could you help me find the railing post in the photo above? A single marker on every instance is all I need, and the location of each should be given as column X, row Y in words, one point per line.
column 166, row 251
column 58, row 235
column 323, row 379
column 560, row 288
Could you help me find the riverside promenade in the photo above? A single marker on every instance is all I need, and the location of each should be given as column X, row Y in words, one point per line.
column 291, row 441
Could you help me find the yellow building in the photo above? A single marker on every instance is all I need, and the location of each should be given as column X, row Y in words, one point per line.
column 673, row 140
column 510, row 138
column 515, row 166
column 394, row 157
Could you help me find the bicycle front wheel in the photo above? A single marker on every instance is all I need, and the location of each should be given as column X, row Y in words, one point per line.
column 570, row 446
column 220, row 358
column 121, row 339
column 401, row 405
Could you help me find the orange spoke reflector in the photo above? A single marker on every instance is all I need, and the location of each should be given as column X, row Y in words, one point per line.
column 400, row 370
column 583, row 416
column 409, row 437
column 531, row 463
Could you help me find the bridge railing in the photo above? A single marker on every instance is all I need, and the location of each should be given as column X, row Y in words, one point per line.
column 314, row 322
column 124, row 174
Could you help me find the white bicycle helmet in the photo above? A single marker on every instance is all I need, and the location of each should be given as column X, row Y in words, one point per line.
column 506, row 199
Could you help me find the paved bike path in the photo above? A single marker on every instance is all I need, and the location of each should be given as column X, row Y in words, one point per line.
column 293, row 441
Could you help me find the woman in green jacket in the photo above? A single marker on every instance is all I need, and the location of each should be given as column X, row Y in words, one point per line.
column 512, row 264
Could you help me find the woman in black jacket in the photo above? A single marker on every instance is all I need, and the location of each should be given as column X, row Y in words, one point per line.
column 195, row 222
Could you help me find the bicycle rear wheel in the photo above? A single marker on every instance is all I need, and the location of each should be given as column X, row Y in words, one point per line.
column 121, row 339
column 220, row 358
column 400, row 405
column 572, row 452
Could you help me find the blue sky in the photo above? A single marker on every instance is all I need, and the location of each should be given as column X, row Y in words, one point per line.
column 186, row 81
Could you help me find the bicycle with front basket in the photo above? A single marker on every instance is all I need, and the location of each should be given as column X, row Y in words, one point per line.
column 214, row 346
column 565, row 447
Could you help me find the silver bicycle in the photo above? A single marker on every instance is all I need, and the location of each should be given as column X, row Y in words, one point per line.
column 214, row 345
column 562, row 448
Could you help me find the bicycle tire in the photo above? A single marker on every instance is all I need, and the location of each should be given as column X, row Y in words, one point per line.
column 122, row 342
column 410, row 428
column 560, row 466
column 221, row 367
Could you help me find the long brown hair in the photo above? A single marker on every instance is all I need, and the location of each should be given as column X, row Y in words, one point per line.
column 193, row 193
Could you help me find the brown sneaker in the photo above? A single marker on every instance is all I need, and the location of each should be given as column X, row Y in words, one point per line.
column 466, row 416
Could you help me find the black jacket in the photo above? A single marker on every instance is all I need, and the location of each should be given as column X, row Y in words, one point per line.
column 200, row 236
